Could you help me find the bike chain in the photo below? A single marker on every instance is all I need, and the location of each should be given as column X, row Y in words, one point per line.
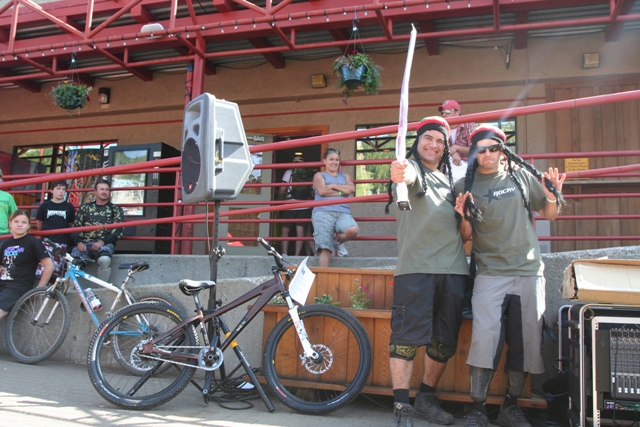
column 148, row 357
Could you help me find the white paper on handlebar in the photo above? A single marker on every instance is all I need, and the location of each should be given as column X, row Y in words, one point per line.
column 301, row 283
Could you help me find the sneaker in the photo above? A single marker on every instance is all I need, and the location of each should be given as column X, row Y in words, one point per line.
column 512, row 416
column 404, row 414
column 340, row 249
column 427, row 406
column 476, row 419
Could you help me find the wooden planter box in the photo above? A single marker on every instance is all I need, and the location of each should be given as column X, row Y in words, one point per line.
column 454, row 384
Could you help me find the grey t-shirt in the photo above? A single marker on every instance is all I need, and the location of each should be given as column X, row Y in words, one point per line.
column 505, row 242
column 428, row 235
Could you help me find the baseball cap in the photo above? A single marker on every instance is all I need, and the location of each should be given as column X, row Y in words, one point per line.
column 449, row 104
column 298, row 159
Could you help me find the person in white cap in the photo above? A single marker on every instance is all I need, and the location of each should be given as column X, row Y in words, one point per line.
column 459, row 141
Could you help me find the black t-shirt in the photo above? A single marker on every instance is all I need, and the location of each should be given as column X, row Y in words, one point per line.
column 20, row 258
column 55, row 216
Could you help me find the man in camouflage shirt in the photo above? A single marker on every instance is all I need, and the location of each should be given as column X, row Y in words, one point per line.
column 98, row 244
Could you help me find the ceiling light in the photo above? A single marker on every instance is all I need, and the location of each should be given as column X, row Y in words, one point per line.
column 151, row 28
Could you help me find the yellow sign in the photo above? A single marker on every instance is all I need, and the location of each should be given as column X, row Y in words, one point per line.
column 576, row 164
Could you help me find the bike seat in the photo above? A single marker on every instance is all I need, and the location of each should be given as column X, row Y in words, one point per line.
column 137, row 266
column 191, row 287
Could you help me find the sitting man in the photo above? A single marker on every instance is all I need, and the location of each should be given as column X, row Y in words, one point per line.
column 98, row 244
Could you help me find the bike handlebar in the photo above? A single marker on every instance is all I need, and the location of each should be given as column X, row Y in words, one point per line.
column 271, row 250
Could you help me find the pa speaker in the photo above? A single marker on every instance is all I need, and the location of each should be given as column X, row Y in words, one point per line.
column 216, row 161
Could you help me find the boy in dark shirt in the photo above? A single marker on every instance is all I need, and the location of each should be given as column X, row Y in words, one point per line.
column 54, row 214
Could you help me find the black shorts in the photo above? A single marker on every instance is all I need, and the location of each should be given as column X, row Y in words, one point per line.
column 427, row 307
column 9, row 294
column 296, row 214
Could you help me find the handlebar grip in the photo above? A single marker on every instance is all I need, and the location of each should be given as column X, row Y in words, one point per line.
column 264, row 244
column 276, row 256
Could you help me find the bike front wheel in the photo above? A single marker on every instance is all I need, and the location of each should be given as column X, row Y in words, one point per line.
column 162, row 374
column 331, row 381
column 37, row 325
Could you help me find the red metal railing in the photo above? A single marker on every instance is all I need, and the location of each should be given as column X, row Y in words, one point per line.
column 263, row 206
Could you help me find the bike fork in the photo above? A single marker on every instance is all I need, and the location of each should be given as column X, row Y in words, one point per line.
column 42, row 308
column 309, row 352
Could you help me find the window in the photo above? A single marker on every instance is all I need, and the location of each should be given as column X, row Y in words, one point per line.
column 56, row 158
column 375, row 148
column 508, row 126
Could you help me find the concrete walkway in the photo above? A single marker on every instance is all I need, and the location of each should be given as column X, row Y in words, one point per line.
column 57, row 394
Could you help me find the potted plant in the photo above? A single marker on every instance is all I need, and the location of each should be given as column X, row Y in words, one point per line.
column 70, row 95
column 355, row 70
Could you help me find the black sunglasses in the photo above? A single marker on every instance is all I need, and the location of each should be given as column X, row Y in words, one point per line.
column 492, row 148
column 332, row 150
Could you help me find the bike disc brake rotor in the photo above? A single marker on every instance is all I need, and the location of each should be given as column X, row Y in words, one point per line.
column 318, row 366
column 209, row 359
column 140, row 362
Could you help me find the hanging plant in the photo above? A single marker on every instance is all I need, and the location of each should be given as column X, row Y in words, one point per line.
column 70, row 95
column 355, row 70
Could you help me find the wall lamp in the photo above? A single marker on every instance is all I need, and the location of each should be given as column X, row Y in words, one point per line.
column 591, row 60
column 104, row 95
column 318, row 81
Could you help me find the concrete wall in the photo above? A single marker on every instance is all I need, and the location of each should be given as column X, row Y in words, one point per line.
column 239, row 274
column 236, row 276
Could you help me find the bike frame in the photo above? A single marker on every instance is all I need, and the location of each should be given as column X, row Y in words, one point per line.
column 264, row 293
column 71, row 277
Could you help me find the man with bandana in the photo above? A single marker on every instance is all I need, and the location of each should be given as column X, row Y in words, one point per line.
column 430, row 277
column 497, row 201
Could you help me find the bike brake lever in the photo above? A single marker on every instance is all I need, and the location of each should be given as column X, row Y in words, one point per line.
column 55, row 250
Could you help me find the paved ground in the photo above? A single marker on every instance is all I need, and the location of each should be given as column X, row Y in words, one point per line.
column 55, row 394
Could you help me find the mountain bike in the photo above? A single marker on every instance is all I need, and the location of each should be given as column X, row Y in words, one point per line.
column 306, row 361
column 39, row 321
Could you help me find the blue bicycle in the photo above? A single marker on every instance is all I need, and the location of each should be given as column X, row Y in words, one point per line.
column 39, row 321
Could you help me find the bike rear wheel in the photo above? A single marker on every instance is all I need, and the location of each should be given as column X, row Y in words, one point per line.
column 322, row 386
column 164, row 298
column 32, row 341
column 134, row 326
column 129, row 361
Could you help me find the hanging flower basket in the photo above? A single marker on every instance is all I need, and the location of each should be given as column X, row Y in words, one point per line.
column 70, row 95
column 357, row 70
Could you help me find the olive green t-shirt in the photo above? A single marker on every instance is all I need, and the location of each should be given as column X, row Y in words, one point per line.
column 504, row 241
column 428, row 235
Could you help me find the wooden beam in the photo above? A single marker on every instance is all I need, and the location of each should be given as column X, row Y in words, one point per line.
column 224, row 5
column 520, row 41
column 142, row 15
column 433, row 49
column 622, row 7
column 274, row 59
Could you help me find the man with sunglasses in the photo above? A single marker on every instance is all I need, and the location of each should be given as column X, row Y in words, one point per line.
column 497, row 204
column 459, row 141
